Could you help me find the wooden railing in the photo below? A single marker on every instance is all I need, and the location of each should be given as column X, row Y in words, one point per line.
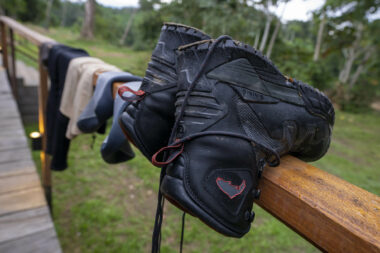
column 329, row 212
column 9, row 27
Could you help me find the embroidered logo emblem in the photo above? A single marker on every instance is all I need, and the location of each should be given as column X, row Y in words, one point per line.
column 229, row 189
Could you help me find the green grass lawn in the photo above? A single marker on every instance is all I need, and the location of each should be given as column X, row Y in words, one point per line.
column 110, row 208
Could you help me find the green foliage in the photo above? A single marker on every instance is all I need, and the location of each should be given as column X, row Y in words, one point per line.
column 12, row 8
column 71, row 14
column 351, row 31
column 359, row 97
column 24, row 10
column 148, row 27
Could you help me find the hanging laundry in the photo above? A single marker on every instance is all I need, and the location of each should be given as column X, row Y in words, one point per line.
column 75, row 70
column 83, row 94
column 100, row 107
column 116, row 148
column 56, row 123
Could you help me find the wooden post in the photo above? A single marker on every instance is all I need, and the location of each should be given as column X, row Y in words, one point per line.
column 4, row 45
column 45, row 159
column 13, row 62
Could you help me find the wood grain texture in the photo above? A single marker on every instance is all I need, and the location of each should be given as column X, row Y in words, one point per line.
column 41, row 242
column 16, row 168
column 115, row 88
column 6, row 132
column 12, row 155
column 13, row 121
column 19, row 182
column 42, row 104
column 24, row 223
column 8, row 103
column 4, row 46
column 331, row 213
column 21, row 200
column 12, row 142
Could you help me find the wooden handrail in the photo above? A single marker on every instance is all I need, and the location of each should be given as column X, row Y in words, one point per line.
column 32, row 36
column 329, row 212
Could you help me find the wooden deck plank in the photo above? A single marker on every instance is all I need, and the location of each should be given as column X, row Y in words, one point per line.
column 15, row 121
column 21, row 200
column 19, row 182
column 5, row 114
column 14, row 124
column 12, row 142
column 16, row 168
column 331, row 213
column 8, row 131
column 42, row 242
column 8, row 101
column 12, row 121
column 20, row 224
column 8, row 104
column 12, row 155
column 5, row 93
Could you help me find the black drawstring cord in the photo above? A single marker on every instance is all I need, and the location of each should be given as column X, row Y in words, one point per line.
column 182, row 231
column 156, row 237
column 93, row 141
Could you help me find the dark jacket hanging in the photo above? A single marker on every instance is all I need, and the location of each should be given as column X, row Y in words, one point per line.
column 56, row 123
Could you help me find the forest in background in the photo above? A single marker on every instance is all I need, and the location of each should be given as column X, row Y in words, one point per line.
column 336, row 51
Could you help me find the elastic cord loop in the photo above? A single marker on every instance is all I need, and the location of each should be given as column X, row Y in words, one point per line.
column 139, row 94
column 171, row 157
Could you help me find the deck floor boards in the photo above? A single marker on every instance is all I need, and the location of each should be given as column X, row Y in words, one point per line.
column 25, row 221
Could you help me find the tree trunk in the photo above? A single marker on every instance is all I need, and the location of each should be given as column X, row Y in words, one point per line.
column 257, row 39
column 292, row 35
column 275, row 33
column 273, row 39
column 266, row 33
column 47, row 14
column 64, row 11
column 319, row 39
column 88, row 24
column 267, row 26
column 350, row 55
column 369, row 52
column 128, row 27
